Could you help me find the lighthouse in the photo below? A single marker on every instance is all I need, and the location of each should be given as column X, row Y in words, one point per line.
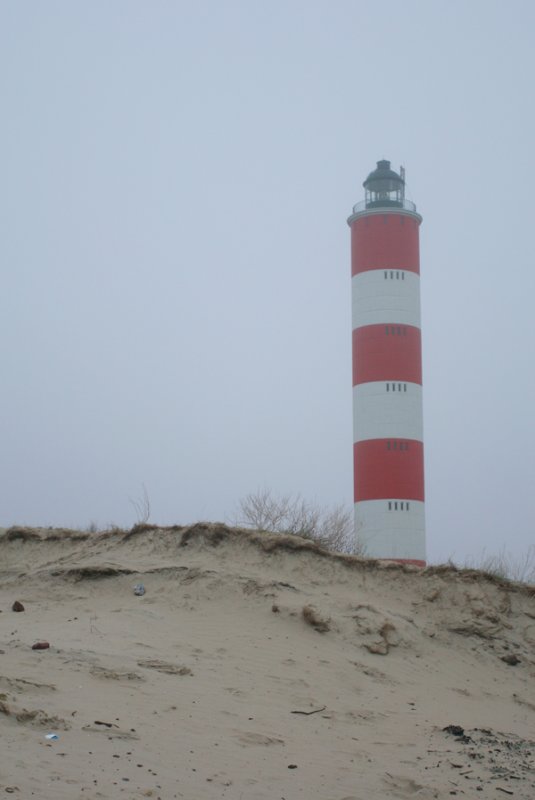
column 388, row 453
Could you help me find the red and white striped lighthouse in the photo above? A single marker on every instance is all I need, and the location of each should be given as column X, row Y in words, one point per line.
column 387, row 370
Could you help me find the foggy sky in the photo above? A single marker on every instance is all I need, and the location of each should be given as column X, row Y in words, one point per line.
column 176, row 298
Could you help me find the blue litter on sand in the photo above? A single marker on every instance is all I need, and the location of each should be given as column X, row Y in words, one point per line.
column 139, row 589
column 52, row 736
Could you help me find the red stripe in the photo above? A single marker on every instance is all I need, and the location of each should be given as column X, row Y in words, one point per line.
column 387, row 353
column 385, row 241
column 382, row 473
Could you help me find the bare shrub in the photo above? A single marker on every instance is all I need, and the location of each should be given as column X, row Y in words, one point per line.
column 331, row 527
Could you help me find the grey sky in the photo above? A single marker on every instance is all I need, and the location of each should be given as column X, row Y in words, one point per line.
column 176, row 298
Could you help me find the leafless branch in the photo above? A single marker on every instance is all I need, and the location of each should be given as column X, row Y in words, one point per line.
column 142, row 506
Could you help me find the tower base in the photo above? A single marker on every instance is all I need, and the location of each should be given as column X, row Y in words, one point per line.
column 392, row 529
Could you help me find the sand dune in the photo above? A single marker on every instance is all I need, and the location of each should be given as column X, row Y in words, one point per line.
column 257, row 667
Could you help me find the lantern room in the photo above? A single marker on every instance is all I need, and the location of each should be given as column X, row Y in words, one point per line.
column 384, row 187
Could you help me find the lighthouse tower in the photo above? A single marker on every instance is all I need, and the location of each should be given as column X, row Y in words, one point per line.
column 387, row 370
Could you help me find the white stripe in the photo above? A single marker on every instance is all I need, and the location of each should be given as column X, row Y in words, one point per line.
column 379, row 413
column 378, row 300
column 388, row 533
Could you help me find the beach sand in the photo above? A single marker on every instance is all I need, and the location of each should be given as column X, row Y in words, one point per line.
column 257, row 667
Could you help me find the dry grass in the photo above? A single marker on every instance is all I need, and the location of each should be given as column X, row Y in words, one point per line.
column 504, row 566
column 24, row 534
column 91, row 573
column 311, row 616
column 18, row 533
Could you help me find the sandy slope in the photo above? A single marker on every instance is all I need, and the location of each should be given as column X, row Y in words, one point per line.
column 214, row 684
